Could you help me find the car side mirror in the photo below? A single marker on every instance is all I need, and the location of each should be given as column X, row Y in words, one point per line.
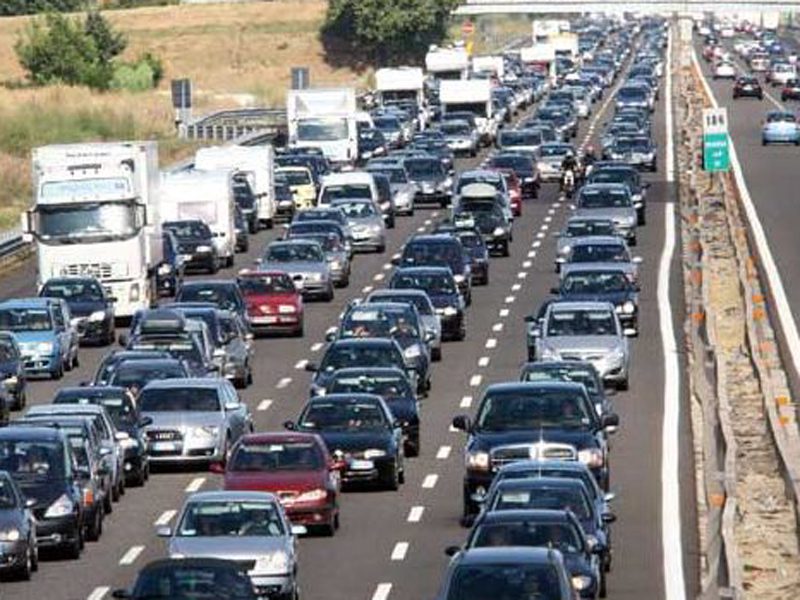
column 164, row 531
column 312, row 367
column 609, row 497
column 30, row 502
column 330, row 334
column 290, row 426
column 462, row 423
column 145, row 421
column 217, row 467
column 609, row 420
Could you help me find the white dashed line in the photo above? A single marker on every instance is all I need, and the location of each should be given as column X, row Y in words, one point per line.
column 443, row 453
column 522, row 275
column 466, row 402
column 421, row 228
column 131, row 555
column 195, row 485
column 536, row 244
column 98, row 593
column 540, row 235
column 548, row 219
column 497, row 327
column 428, row 221
column 545, row 227
column 516, row 287
column 551, row 211
column 527, row 264
column 264, row 405
column 510, row 299
column 367, row 289
column 378, row 277
column 555, row 204
column 483, row 361
column 382, row 591
column 387, row 267
column 317, row 347
column 430, row 481
column 399, row 552
column 475, row 380
column 284, row 382
column 165, row 518
column 415, row 514
column 532, row 254
column 435, row 214
column 504, row 312
column 491, row 343
column 301, row 364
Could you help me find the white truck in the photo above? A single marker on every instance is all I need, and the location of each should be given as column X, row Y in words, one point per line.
column 206, row 196
column 493, row 66
column 257, row 164
column 473, row 96
column 96, row 211
column 447, row 63
column 325, row 118
column 402, row 84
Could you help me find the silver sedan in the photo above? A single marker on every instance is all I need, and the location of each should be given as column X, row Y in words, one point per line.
column 366, row 223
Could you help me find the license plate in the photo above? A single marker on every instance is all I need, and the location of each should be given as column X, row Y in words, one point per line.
column 187, row 256
column 164, row 446
column 362, row 465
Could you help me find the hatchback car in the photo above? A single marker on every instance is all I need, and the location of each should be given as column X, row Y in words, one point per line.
column 12, row 371
column 195, row 244
column 366, row 223
column 433, row 182
column 223, row 293
column 440, row 250
column 91, row 309
column 427, row 314
column 441, row 287
column 747, row 86
column 780, row 127
column 611, row 201
column 607, row 251
column 273, row 302
column 18, row 545
column 304, row 261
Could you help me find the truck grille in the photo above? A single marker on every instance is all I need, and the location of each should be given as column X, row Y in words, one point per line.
column 98, row 270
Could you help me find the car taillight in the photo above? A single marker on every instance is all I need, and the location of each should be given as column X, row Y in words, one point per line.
column 88, row 496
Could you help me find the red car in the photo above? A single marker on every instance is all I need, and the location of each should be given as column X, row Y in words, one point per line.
column 273, row 303
column 514, row 190
column 294, row 466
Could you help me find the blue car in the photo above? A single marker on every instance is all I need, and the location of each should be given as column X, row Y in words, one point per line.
column 43, row 330
column 780, row 127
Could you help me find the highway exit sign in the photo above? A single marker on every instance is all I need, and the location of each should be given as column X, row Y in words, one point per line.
column 716, row 144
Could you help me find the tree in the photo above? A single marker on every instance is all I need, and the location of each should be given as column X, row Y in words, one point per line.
column 109, row 43
column 29, row 7
column 390, row 31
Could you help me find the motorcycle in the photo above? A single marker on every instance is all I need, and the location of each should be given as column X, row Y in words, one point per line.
column 568, row 183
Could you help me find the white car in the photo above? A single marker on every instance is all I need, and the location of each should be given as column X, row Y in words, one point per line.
column 724, row 70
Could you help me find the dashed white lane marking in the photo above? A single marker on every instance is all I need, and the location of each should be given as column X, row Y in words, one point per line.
column 399, row 551
column 387, row 266
column 195, row 484
column 301, row 364
column 317, row 347
column 435, row 214
column 548, row 219
column 284, row 382
column 430, row 481
column 421, row 228
column 497, row 327
column 536, row 244
column 382, row 591
column 475, row 380
column 532, row 254
column 540, row 235
column 452, row 429
column 516, row 287
column 98, row 593
column 165, row 518
column 427, row 221
column 131, row 555
column 555, row 204
column 483, row 361
column 443, row 453
column 466, row 402
column 504, row 312
column 522, row 275
column 491, row 343
column 510, row 299
column 378, row 277
column 264, row 405
column 415, row 514
column 544, row 227
column 367, row 289
column 551, row 211
column 527, row 264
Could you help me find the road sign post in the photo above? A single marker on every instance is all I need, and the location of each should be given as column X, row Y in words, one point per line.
column 716, row 144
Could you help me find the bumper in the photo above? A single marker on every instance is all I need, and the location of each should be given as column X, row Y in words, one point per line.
column 200, row 261
column 181, row 452
column 276, row 322
column 13, row 554
column 369, row 241
column 41, row 365
column 272, row 586
column 480, row 271
column 432, row 196
column 368, row 471
column 53, row 533
column 310, row 514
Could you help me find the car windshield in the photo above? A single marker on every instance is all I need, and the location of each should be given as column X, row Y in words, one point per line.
column 423, row 167
column 455, row 128
column 594, row 283
column 564, row 323
column 189, row 230
column 365, row 323
column 610, row 198
column 400, row 321
column 561, row 536
column 394, row 175
column 356, row 415
column 423, row 254
column 389, row 387
column 222, row 296
column 76, row 291
column 342, row 357
column 517, row 581
column 266, row 284
column 296, row 176
column 289, row 253
column 183, row 582
column 613, row 176
column 573, row 374
column 137, row 373
column 781, row 118
column 632, row 94
column 433, row 283
column 357, row 210
column 544, row 497
column 28, row 459
column 320, row 214
column 590, row 253
column 244, row 518
column 422, row 302
column 118, row 405
column 25, row 319
column 346, row 192
column 531, row 410
column 277, row 456
column 520, row 138
column 173, row 399
column 493, row 179
column 471, row 240
column 515, row 162
column 587, row 228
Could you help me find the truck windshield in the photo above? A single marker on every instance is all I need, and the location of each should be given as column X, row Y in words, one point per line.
column 322, row 130
column 479, row 109
column 94, row 222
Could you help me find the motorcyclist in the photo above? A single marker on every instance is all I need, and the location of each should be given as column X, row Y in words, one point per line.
column 569, row 168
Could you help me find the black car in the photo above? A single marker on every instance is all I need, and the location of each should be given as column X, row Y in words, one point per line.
column 245, row 200
column 557, row 529
column 749, row 86
column 20, row 552
column 437, row 147
column 357, row 352
column 169, row 274
column 110, row 362
column 362, row 429
column 524, row 167
column 196, row 244
column 12, row 371
column 433, row 182
column 472, row 241
column 91, row 308
column 371, row 143
column 41, row 462
column 224, row 293
column 442, row 289
column 601, row 283
column 241, row 229
column 394, row 387
column 122, row 409
column 183, row 577
column 284, row 199
column 440, row 250
column 558, row 421
column 577, row 371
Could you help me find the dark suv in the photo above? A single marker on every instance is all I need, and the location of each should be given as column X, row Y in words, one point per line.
column 440, row 250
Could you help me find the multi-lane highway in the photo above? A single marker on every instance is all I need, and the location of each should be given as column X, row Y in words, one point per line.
column 391, row 544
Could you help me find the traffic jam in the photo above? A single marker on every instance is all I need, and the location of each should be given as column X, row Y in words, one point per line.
column 168, row 284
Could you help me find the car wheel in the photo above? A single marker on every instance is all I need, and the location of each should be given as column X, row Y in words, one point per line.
column 381, row 249
column 23, row 572
column 328, row 294
column 506, row 250
column 34, row 555
column 73, row 550
column 603, row 586
column 109, row 499
column 329, row 529
column 436, row 354
column 299, row 331
column 392, row 480
column 249, row 380
column 68, row 364
column 58, row 373
column 139, row 479
column 95, row 529
column 763, row 142
column 391, row 223
column 22, row 400
column 623, row 385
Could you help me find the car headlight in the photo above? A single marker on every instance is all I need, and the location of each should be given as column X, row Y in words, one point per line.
column 312, row 495
column 276, row 562
column 376, row 227
column 9, row 535
column 477, row 461
column 591, row 457
column 60, row 508
column 566, row 249
column 498, row 231
column 412, row 351
column 287, row 309
column 44, row 347
column 97, row 316
column 205, row 431
column 459, row 278
column 314, row 276
column 449, row 311
column 203, row 248
column 165, row 269
column 581, row 582
column 629, row 307
column 374, row 453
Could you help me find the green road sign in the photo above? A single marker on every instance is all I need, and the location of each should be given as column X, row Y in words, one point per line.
column 716, row 155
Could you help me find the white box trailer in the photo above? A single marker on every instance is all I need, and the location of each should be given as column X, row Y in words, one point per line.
column 96, row 211
column 257, row 164
column 494, row 65
column 447, row 63
column 206, row 196
column 325, row 118
column 402, row 84
column 474, row 96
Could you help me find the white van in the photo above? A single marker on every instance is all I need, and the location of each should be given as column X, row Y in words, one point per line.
column 351, row 185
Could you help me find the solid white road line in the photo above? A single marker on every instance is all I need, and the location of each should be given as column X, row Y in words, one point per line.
column 443, row 453
column 264, row 405
column 415, row 514
column 195, row 485
column 382, row 591
column 671, row 532
column 98, row 593
column 131, row 555
column 466, row 402
column 165, row 518
column 399, row 551
column 430, row 481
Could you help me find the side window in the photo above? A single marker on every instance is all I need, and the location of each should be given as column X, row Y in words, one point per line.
column 58, row 315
